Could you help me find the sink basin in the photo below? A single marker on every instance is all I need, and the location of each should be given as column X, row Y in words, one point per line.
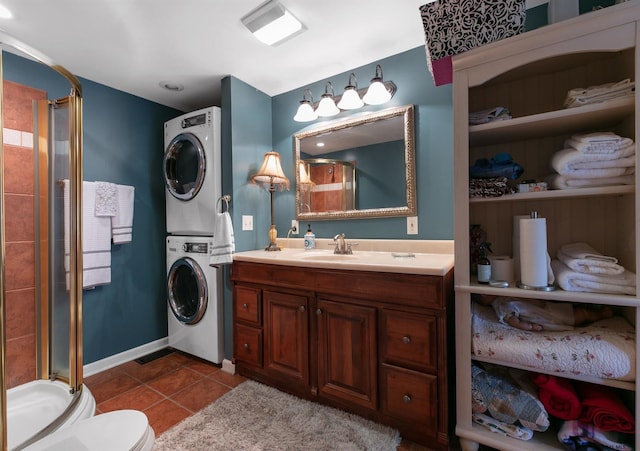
column 329, row 257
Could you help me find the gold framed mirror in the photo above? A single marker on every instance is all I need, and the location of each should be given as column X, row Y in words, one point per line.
column 380, row 149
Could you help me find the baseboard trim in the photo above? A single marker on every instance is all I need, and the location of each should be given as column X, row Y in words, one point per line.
column 123, row 357
column 228, row 367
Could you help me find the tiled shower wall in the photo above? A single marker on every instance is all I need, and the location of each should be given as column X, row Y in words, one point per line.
column 19, row 227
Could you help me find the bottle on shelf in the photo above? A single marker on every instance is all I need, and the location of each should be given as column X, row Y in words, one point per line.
column 484, row 264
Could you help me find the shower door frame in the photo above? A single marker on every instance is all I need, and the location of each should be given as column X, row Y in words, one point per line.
column 75, row 236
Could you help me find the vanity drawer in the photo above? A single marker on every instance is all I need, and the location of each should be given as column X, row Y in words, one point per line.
column 409, row 340
column 248, row 345
column 410, row 396
column 247, row 304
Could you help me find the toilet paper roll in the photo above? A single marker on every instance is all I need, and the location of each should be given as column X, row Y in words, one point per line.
column 533, row 252
column 516, row 245
column 501, row 268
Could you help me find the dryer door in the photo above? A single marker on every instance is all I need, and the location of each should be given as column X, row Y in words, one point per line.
column 184, row 166
column 187, row 290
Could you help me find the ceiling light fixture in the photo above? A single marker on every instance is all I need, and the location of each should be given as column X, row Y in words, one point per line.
column 327, row 106
column 377, row 93
column 171, row 86
column 305, row 112
column 272, row 23
column 5, row 13
column 350, row 98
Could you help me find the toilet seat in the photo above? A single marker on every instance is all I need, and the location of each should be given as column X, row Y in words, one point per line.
column 121, row 430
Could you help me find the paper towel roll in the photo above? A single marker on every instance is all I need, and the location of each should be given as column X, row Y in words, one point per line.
column 501, row 268
column 516, row 245
column 533, row 252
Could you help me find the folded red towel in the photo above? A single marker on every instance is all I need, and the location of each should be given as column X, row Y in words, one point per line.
column 602, row 406
column 558, row 396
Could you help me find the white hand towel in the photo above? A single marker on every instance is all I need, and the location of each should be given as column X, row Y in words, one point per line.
column 581, row 257
column 96, row 239
column 122, row 222
column 570, row 280
column 223, row 240
column 106, row 199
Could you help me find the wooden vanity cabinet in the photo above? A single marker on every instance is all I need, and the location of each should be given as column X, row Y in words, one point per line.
column 371, row 343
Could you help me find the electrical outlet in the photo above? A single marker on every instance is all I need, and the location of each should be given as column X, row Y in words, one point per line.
column 412, row 225
column 247, row 222
column 295, row 228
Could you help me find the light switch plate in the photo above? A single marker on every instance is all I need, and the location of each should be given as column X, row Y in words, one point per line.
column 247, row 222
column 412, row 225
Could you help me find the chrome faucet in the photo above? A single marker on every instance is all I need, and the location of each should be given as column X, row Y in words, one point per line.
column 342, row 247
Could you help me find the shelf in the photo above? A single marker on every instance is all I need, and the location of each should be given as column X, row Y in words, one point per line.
column 556, row 295
column 541, row 441
column 552, row 123
column 559, row 194
column 594, row 380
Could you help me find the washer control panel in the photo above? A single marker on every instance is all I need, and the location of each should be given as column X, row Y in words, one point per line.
column 196, row 248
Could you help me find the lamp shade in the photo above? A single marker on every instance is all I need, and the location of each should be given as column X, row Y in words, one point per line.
column 304, row 177
column 350, row 98
column 327, row 106
column 271, row 172
column 377, row 93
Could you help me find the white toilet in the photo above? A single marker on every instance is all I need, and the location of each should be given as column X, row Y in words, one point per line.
column 120, row 430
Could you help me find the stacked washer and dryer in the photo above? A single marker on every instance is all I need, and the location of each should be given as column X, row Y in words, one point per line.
column 193, row 185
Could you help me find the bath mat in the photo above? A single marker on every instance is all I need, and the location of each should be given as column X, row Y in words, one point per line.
column 256, row 417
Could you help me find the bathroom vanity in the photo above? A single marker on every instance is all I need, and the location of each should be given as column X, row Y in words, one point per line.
column 368, row 333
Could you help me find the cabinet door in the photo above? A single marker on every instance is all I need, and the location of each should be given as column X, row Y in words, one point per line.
column 347, row 355
column 286, row 342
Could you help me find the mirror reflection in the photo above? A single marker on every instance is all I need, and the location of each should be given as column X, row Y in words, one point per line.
column 356, row 168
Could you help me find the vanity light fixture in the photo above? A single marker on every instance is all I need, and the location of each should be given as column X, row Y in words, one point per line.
column 272, row 23
column 270, row 175
column 327, row 106
column 350, row 98
column 306, row 113
column 377, row 93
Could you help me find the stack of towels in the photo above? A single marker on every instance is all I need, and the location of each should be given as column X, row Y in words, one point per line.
column 107, row 215
column 594, row 159
column 579, row 267
column 498, row 113
column 594, row 416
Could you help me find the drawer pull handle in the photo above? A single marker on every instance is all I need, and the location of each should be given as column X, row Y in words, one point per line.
column 318, row 312
column 245, row 306
column 302, row 308
column 406, row 340
column 406, row 399
column 246, row 346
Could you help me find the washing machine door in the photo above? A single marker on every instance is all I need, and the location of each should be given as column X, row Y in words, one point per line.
column 187, row 290
column 184, row 166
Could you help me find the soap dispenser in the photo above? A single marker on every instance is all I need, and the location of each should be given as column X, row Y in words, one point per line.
column 309, row 239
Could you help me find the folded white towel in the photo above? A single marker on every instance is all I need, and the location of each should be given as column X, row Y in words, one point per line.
column 96, row 239
column 223, row 240
column 568, row 160
column 583, row 258
column 570, row 280
column 106, row 199
column 557, row 181
column 594, row 173
column 122, row 222
column 600, row 93
column 599, row 142
column 614, row 148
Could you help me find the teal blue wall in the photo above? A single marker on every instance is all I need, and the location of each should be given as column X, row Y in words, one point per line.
column 123, row 143
column 434, row 149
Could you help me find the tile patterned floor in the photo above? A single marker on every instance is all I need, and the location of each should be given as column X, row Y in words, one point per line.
column 169, row 389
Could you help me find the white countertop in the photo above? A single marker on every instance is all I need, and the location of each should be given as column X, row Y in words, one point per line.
column 428, row 257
